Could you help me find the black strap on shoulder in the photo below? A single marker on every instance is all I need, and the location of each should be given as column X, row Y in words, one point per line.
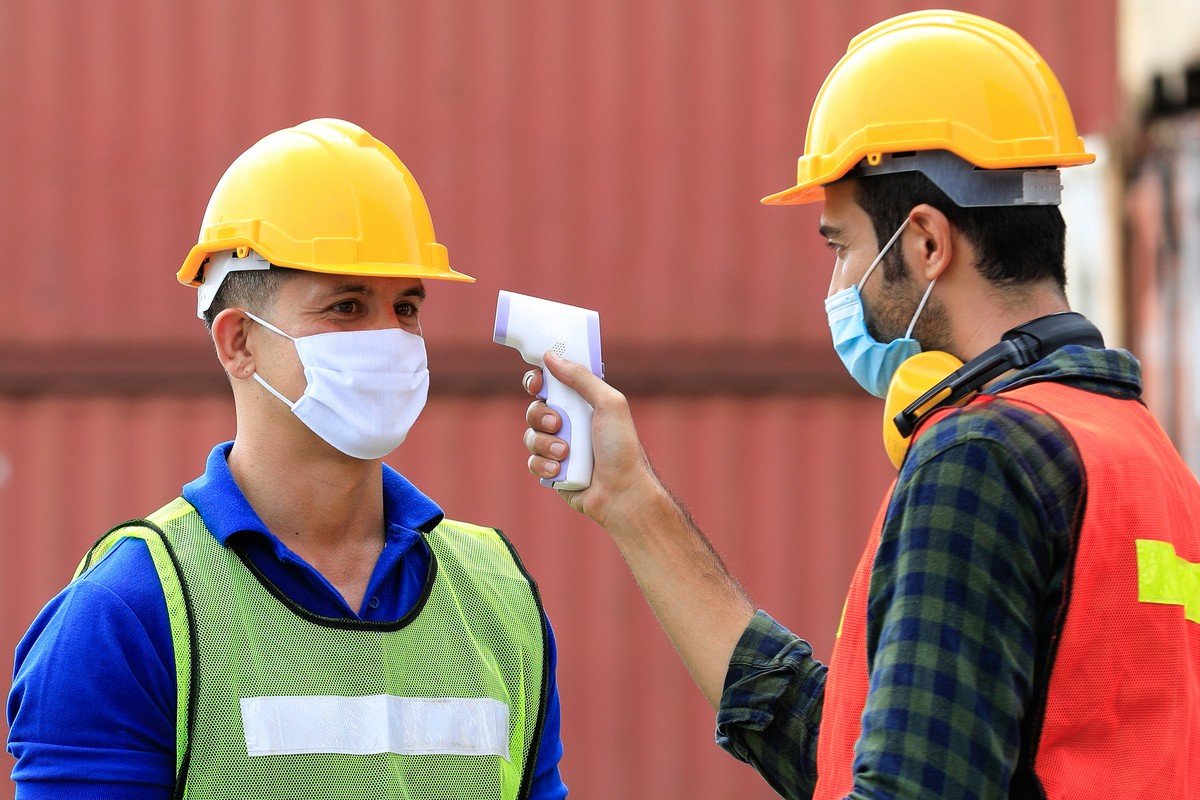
column 1020, row 347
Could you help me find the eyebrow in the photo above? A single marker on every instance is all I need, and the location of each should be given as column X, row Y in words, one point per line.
column 830, row 231
column 361, row 288
column 351, row 288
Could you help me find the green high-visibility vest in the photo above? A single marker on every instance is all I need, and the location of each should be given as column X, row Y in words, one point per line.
column 277, row 702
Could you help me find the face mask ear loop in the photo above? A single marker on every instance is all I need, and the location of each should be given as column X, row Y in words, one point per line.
column 920, row 308
column 267, row 325
column 258, row 377
column 272, row 390
column 882, row 253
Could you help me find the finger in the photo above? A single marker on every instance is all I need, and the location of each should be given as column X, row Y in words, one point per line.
column 540, row 417
column 533, row 382
column 543, row 467
column 578, row 377
column 545, row 445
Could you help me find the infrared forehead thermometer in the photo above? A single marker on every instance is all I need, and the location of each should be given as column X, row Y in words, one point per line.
column 532, row 326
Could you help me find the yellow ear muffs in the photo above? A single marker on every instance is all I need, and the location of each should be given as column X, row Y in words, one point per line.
column 915, row 377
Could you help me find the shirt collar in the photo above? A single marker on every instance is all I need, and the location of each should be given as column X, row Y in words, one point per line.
column 1103, row 370
column 226, row 511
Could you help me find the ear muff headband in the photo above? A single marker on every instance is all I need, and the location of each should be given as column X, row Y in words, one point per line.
column 1020, row 347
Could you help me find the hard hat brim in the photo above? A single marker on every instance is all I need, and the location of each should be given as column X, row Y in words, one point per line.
column 188, row 273
column 797, row 195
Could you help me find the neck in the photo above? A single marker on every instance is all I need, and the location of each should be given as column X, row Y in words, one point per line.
column 984, row 323
column 313, row 498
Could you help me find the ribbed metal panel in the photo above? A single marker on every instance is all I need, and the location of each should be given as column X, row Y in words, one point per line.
column 785, row 489
column 609, row 153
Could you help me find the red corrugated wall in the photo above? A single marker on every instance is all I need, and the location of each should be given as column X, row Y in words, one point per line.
column 635, row 725
column 607, row 153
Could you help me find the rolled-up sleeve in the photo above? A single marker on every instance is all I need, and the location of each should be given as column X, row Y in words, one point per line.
column 770, row 710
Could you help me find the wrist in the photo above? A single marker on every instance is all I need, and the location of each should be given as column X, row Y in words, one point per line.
column 649, row 516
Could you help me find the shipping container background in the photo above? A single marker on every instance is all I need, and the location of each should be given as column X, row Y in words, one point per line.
column 607, row 153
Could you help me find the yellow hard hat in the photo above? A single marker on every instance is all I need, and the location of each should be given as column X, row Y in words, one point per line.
column 936, row 80
column 324, row 196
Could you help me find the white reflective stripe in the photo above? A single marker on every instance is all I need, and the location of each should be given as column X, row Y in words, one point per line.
column 381, row 723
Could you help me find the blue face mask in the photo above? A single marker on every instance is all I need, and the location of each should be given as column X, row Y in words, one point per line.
column 871, row 363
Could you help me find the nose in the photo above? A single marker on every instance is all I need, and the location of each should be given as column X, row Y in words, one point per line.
column 837, row 281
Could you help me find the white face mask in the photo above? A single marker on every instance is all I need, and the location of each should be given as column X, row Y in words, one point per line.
column 365, row 388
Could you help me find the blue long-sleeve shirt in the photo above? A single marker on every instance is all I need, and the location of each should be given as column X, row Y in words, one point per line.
column 92, row 706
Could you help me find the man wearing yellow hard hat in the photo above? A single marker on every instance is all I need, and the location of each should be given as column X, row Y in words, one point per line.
column 1025, row 619
column 302, row 621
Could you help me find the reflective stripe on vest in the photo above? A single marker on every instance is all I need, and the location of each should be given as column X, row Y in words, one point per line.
column 276, row 702
column 1121, row 712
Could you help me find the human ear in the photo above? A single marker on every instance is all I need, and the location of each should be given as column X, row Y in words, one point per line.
column 230, row 333
column 929, row 242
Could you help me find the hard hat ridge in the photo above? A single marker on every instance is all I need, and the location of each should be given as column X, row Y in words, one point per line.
column 323, row 196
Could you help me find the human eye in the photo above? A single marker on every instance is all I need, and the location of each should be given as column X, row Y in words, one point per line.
column 344, row 307
column 407, row 310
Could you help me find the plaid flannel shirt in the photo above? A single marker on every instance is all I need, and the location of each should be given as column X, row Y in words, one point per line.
column 965, row 584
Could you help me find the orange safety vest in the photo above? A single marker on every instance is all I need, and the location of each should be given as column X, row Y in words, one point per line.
column 1121, row 712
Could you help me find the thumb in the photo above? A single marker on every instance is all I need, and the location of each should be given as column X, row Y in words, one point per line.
column 577, row 377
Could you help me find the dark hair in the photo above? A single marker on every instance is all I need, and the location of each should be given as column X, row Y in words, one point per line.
column 252, row 289
column 1015, row 245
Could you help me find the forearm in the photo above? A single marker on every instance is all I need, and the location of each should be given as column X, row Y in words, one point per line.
column 699, row 604
column 763, row 680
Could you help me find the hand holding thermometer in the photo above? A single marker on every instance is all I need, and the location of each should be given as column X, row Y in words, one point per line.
column 532, row 326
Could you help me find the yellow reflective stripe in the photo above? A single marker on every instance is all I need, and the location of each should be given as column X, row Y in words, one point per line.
column 1166, row 578
column 842, row 619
